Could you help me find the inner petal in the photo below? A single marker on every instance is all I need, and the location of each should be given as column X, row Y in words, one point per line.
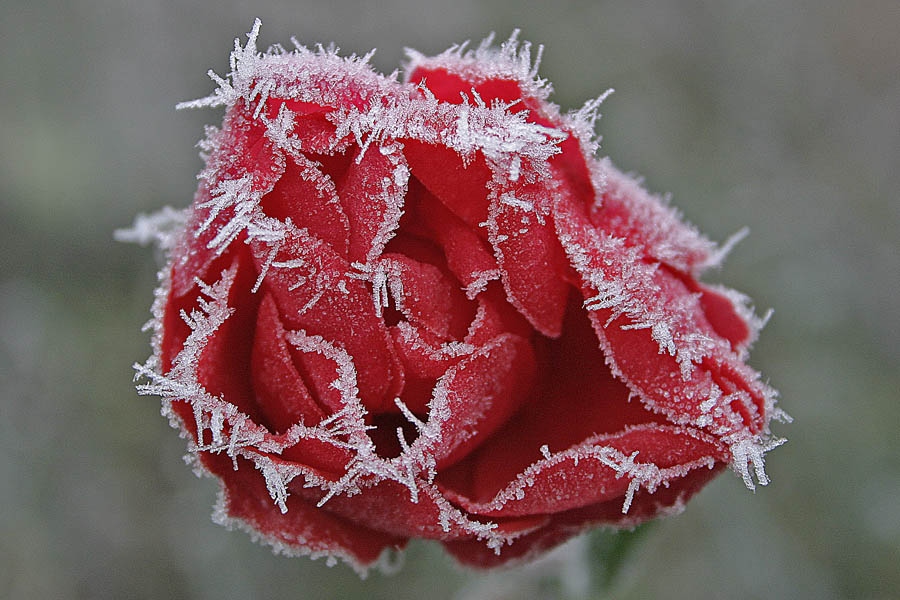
column 577, row 398
column 309, row 198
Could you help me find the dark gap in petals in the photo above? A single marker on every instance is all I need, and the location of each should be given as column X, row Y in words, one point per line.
column 387, row 444
column 334, row 165
column 417, row 248
column 391, row 315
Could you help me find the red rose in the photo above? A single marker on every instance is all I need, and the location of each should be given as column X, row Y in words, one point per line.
column 424, row 309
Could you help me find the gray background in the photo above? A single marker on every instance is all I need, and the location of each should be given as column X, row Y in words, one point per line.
column 782, row 116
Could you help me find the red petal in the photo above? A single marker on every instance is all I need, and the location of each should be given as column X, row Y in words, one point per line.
column 388, row 506
column 244, row 151
column 476, row 397
column 585, row 474
column 280, row 391
column 568, row 524
column 372, row 193
column 430, row 299
column 303, row 527
column 576, row 398
column 460, row 186
column 453, row 87
column 308, row 197
column 626, row 210
column 425, row 359
column 467, row 255
column 496, row 316
column 224, row 365
column 311, row 130
column 531, row 261
column 314, row 293
column 721, row 314
column 658, row 338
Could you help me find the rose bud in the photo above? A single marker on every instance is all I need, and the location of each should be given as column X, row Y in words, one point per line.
column 423, row 309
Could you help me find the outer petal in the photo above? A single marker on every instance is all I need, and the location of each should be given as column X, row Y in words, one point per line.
column 302, row 529
column 568, row 524
column 655, row 334
column 223, row 364
column 245, row 166
column 602, row 468
column 626, row 210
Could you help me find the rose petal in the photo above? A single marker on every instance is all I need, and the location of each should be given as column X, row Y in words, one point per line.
column 628, row 211
column 654, row 333
column 388, row 506
column 495, row 316
column 465, row 78
column 460, row 185
column 308, row 197
column 372, row 192
column 280, row 391
column 592, row 472
column 425, row 358
column 302, row 528
column 467, row 255
column 223, row 365
column 476, row 396
column 311, row 130
column 568, row 524
column 247, row 165
column 429, row 298
column 531, row 260
column 310, row 283
column 576, row 398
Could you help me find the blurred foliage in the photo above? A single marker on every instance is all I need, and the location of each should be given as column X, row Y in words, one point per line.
column 780, row 115
column 610, row 551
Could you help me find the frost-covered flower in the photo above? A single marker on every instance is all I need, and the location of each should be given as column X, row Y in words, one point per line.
column 423, row 309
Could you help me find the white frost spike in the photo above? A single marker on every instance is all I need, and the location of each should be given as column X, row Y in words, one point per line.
column 384, row 276
column 237, row 194
column 277, row 478
column 716, row 258
column 633, row 486
column 162, row 228
column 751, row 451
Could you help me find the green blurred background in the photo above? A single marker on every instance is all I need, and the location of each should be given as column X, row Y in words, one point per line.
column 783, row 116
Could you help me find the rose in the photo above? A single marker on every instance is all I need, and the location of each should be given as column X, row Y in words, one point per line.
column 424, row 309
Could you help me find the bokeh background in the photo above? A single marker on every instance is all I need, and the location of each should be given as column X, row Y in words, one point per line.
column 780, row 115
